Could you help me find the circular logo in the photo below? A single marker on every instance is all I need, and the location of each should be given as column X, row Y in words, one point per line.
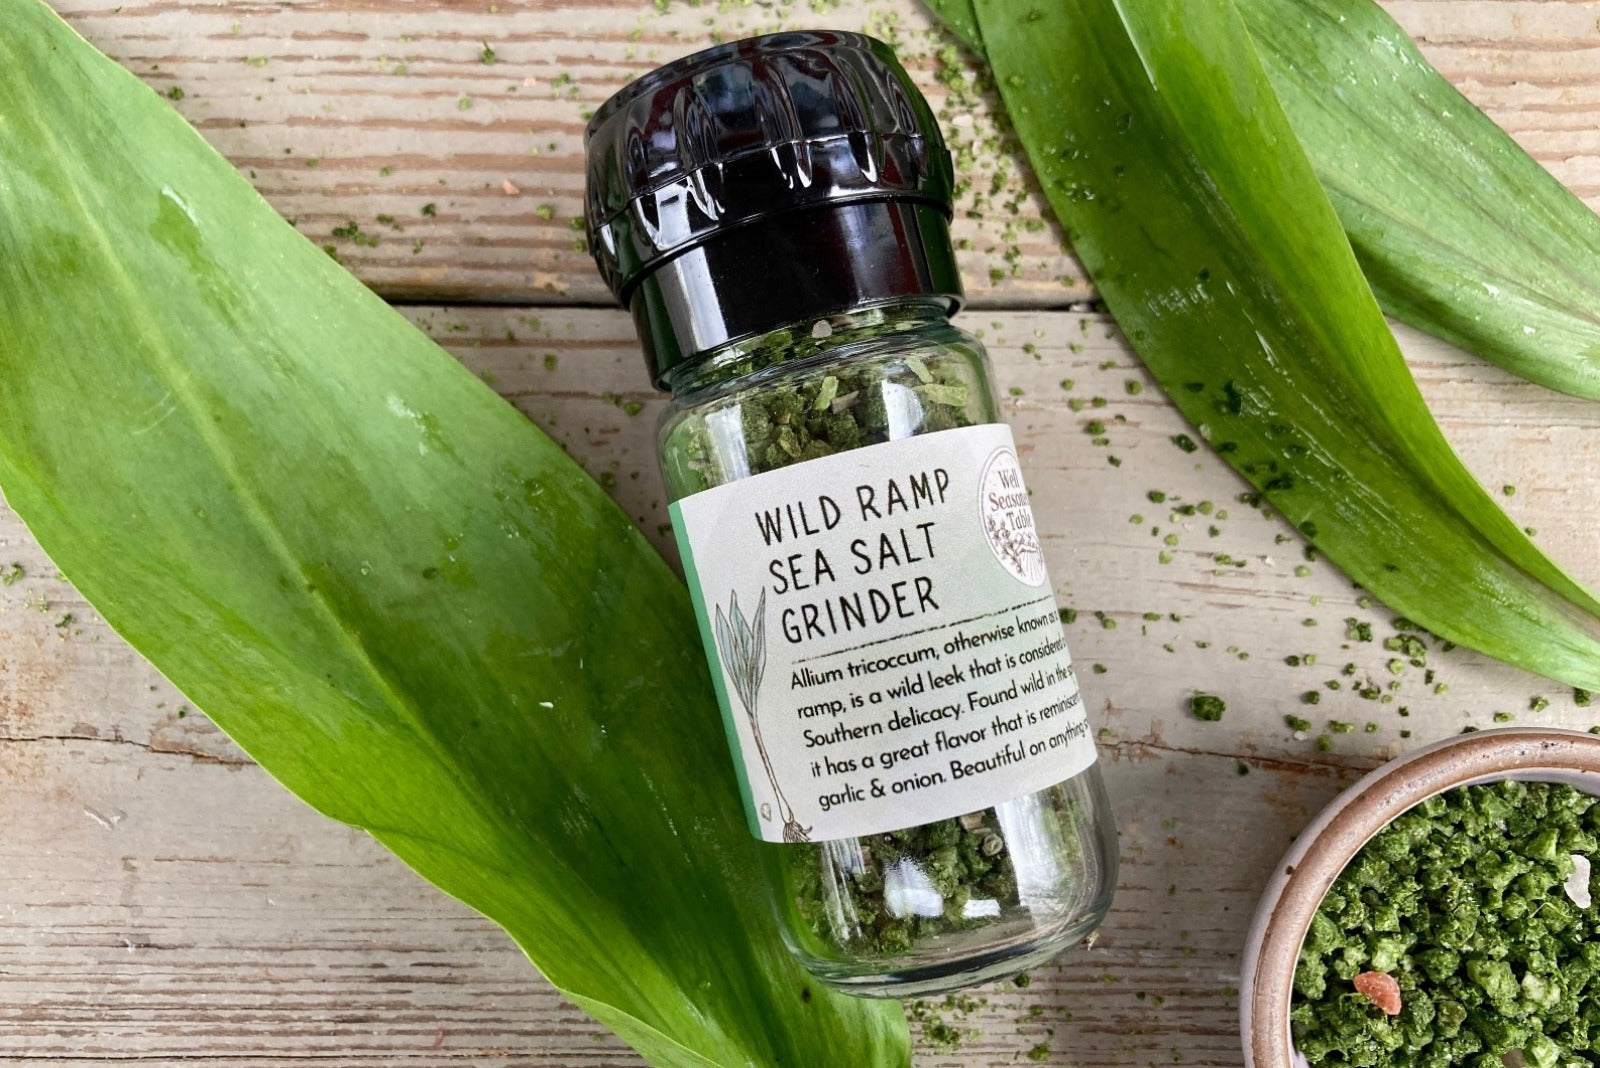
column 1008, row 518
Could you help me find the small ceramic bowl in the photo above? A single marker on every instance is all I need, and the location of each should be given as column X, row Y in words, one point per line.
column 1323, row 849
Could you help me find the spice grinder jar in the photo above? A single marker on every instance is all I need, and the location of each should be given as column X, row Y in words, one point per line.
column 904, row 719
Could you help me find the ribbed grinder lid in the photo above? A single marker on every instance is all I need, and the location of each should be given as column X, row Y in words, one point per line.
column 764, row 182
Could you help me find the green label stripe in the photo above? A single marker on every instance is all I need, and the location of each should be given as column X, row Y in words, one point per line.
column 714, row 661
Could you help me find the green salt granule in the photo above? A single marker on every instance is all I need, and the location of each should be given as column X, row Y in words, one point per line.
column 1477, row 904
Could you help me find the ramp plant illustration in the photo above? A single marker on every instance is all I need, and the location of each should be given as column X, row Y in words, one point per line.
column 743, row 648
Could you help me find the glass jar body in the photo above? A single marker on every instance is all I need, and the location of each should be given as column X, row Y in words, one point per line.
column 934, row 907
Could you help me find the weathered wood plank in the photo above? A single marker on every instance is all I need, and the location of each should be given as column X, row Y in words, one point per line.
column 355, row 112
column 161, row 899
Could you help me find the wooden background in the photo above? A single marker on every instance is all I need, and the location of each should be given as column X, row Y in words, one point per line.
column 162, row 901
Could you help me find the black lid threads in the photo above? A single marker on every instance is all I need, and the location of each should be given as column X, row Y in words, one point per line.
column 768, row 181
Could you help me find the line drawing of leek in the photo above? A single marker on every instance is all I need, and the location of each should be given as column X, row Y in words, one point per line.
column 743, row 646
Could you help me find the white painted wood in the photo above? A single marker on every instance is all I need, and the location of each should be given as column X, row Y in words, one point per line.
column 364, row 112
column 162, row 900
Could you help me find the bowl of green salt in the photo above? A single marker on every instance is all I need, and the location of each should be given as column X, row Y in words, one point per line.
column 1442, row 912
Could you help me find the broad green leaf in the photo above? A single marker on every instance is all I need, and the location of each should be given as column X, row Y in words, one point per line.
column 1460, row 232
column 961, row 19
column 1165, row 154
column 388, row 587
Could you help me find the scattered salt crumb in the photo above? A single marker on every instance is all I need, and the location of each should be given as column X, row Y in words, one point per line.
column 107, row 821
column 510, row 188
column 1381, row 990
column 1577, row 884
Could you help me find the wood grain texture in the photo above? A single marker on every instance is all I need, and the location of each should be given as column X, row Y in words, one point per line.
column 162, row 901
column 354, row 116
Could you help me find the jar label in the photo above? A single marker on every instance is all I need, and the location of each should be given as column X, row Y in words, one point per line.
column 883, row 636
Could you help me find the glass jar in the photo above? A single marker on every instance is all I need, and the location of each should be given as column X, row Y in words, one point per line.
column 939, row 906
column 856, row 534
